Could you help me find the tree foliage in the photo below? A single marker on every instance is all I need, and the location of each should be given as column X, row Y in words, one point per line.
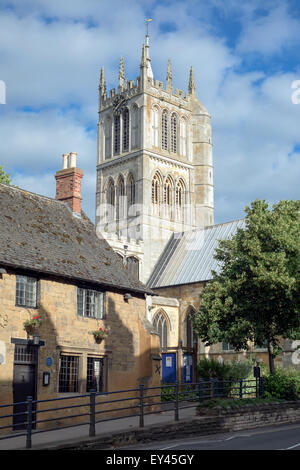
column 4, row 177
column 255, row 297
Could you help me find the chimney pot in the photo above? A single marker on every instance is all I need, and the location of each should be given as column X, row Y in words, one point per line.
column 68, row 183
column 73, row 156
column 65, row 160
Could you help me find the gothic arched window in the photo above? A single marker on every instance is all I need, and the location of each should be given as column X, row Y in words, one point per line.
column 164, row 130
column 168, row 189
column 110, row 192
column 125, row 130
column 155, row 126
column 117, row 135
column 130, row 191
column 183, row 146
column 174, row 133
column 107, row 131
column 110, row 198
column 156, row 185
column 161, row 326
column 134, row 127
column 179, row 198
column 120, row 198
column 180, row 193
column 133, row 266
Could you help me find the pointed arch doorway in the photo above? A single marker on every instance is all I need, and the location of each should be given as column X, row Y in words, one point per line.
column 169, row 358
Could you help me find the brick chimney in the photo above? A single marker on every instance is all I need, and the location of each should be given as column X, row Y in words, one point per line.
column 68, row 183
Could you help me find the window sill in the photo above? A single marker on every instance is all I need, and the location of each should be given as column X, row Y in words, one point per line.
column 27, row 306
column 89, row 318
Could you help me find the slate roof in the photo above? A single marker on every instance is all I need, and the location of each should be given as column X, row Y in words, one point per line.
column 189, row 256
column 41, row 234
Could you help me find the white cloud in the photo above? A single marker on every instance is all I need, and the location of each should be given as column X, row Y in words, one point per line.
column 270, row 34
column 51, row 54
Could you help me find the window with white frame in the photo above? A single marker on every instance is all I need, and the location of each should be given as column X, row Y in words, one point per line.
column 26, row 291
column 95, row 374
column 90, row 303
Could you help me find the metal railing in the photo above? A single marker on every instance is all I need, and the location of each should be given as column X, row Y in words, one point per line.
column 172, row 397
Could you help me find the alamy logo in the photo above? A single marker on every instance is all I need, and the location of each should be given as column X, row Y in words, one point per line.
column 296, row 95
column 2, row 92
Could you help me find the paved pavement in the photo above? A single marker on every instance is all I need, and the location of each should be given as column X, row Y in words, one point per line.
column 66, row 436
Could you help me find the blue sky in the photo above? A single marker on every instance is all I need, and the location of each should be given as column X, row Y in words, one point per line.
column 245, row 55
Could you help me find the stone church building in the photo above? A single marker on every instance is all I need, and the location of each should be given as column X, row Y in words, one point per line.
column 155, row 204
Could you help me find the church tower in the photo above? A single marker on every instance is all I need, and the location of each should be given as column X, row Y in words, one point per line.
column 154, row 167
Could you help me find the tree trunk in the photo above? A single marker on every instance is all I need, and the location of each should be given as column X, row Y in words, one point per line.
column 271, row 359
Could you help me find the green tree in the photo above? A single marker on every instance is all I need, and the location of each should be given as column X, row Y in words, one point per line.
column 255, row 297
column 4, row 178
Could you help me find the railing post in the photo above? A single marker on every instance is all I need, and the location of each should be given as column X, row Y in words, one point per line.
column 241, row 388
column 200, row 390
column 141, row 406
column 176, row 401
column 29, row 423
column 216, row 388
column 92, row 431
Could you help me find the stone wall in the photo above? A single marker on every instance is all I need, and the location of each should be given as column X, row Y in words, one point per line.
column 216, row 422
column 128, row 351
column 253, row 416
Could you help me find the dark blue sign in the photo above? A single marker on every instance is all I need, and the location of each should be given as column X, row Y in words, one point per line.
column 49, row 361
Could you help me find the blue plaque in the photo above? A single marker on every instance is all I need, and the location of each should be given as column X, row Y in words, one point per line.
column 49, row 361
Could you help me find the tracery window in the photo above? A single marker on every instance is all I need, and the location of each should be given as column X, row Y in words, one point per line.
column 160, row 324
column 156, row 184
column 168, row 186
column 183, row 146
column 164, row 130
column 179, row 199
column 117, row 135
column 110, row 193
column 130, row 191
column 110, row 199
column 174, row 133
column 125, row 130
